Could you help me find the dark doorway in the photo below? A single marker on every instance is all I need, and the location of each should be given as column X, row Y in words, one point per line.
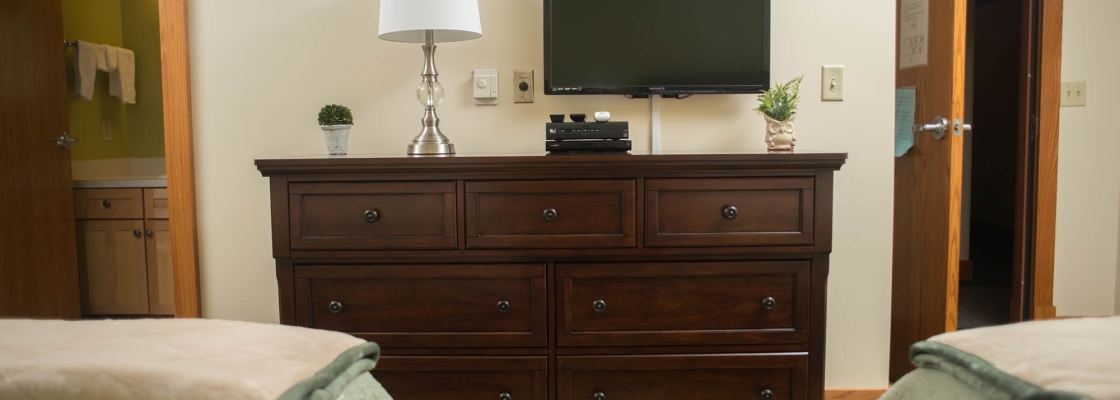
column 993, row 166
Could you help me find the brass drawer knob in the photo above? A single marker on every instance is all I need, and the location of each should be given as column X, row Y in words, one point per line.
column 769, row 303
column 599, row 396
column 550, row 214
column 372, row 215
column 335, row 307
column 503, row 306
column 599, row 305
column 730, row 212
column 106, row 203
column 505, row 396
column 767, row 395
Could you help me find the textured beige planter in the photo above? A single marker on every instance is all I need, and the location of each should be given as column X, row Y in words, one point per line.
column 780, row 135
column 337, row 137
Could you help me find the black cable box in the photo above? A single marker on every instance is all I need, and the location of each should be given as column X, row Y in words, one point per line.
column 588, row 146
column 587, row 130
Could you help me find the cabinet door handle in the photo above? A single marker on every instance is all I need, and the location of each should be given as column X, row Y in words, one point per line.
column 335, row 307
column 106, row 203
column 136, row 233
column 550, row 214
column 769, row 303
column 766, row 395
column 599, row 396
column 503, row 306
column 372, row 216
column 505, row 396
column 599, row 306
column 730, row 212
column 149, row 233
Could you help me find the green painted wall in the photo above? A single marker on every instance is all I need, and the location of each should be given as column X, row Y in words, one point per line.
column 97, row 21
column 140, row 23
column 137, row 129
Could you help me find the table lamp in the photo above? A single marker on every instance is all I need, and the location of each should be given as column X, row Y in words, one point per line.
column 429, row 22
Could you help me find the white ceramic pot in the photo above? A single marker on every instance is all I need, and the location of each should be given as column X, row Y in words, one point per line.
column 780, row 135
column 337, row 137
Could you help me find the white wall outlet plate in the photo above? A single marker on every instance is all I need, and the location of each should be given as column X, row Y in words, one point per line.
column 485, row 85
column 832, row 83
column 1074, row 94
column 523, row 87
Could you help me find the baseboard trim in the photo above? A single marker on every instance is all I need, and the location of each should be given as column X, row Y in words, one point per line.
column 853, row 394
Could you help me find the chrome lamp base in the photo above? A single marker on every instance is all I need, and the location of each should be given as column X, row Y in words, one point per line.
column 430, row 141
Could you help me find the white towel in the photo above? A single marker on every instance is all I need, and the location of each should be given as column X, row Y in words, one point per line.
column 88, row 58
column 122, row 78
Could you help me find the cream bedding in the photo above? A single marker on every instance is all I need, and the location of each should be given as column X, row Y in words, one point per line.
column 160, row 359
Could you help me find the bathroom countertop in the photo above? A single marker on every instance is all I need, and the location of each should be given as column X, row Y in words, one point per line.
column 150, row 181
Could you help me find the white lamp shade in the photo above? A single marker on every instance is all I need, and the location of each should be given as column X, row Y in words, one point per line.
column 451, row 20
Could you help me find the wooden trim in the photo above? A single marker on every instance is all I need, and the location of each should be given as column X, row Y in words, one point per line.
column 853, row 394
column 179, row 151
column 1050, row 80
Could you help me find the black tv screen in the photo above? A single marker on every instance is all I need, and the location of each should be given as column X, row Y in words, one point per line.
column 642, row 47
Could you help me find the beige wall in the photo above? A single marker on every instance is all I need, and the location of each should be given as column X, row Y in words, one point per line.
column 1085, row 264
column 261, row 70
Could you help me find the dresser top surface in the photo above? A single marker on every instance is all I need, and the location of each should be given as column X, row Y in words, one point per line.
column 323, row 163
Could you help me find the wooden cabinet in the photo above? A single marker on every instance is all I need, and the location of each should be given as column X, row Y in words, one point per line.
column 527, row 275
column 124, row 252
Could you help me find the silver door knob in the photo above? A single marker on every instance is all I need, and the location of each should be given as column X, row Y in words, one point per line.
column 65, row 140
column 938, row 127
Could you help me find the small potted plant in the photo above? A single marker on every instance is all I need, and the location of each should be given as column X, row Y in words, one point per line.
column 336, row 120
column 779, row 106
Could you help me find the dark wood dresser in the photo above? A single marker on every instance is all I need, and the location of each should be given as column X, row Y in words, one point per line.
column 576, row 277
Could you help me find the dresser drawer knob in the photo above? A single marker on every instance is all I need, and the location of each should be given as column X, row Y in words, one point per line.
column 505, row 396
column 730, row 212
column 599, row 396
column 767, row 395
column 769, row 303
column 335, row 307
column 503, row 306
column 106, row 203
column 550, row 214
column 372, row 215
column 599, row 305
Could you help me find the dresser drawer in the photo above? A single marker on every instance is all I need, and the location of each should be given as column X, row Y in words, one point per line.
column 701, row 303
column 468, row 378
column 779, row 376
column 550, row 214
column 372, row 215
column 155, row 204
column 500, row 305
column 109, row 203
column 729, row 212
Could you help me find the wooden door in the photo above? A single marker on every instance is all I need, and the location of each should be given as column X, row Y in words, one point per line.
column 38, row 260
column 161, row 287
column 927, row 179
column 113, row 266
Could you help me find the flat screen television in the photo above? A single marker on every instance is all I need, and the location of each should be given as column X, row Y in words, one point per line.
column 645, row 47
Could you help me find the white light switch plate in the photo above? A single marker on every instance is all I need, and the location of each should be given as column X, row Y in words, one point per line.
column 523, row 76
column 1074, row 94
column 485, row 85
column 832, row 83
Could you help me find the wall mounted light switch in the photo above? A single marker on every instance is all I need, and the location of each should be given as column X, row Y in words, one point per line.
column 832, row 83
column 523, row 87
column 1074, row 94
column 485, row 84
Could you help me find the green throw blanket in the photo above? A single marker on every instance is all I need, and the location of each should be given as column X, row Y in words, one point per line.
column 980, row 375
column 346, row 377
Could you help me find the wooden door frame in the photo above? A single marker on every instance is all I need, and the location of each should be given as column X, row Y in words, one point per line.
column 1050, row 82
column 174, row 46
